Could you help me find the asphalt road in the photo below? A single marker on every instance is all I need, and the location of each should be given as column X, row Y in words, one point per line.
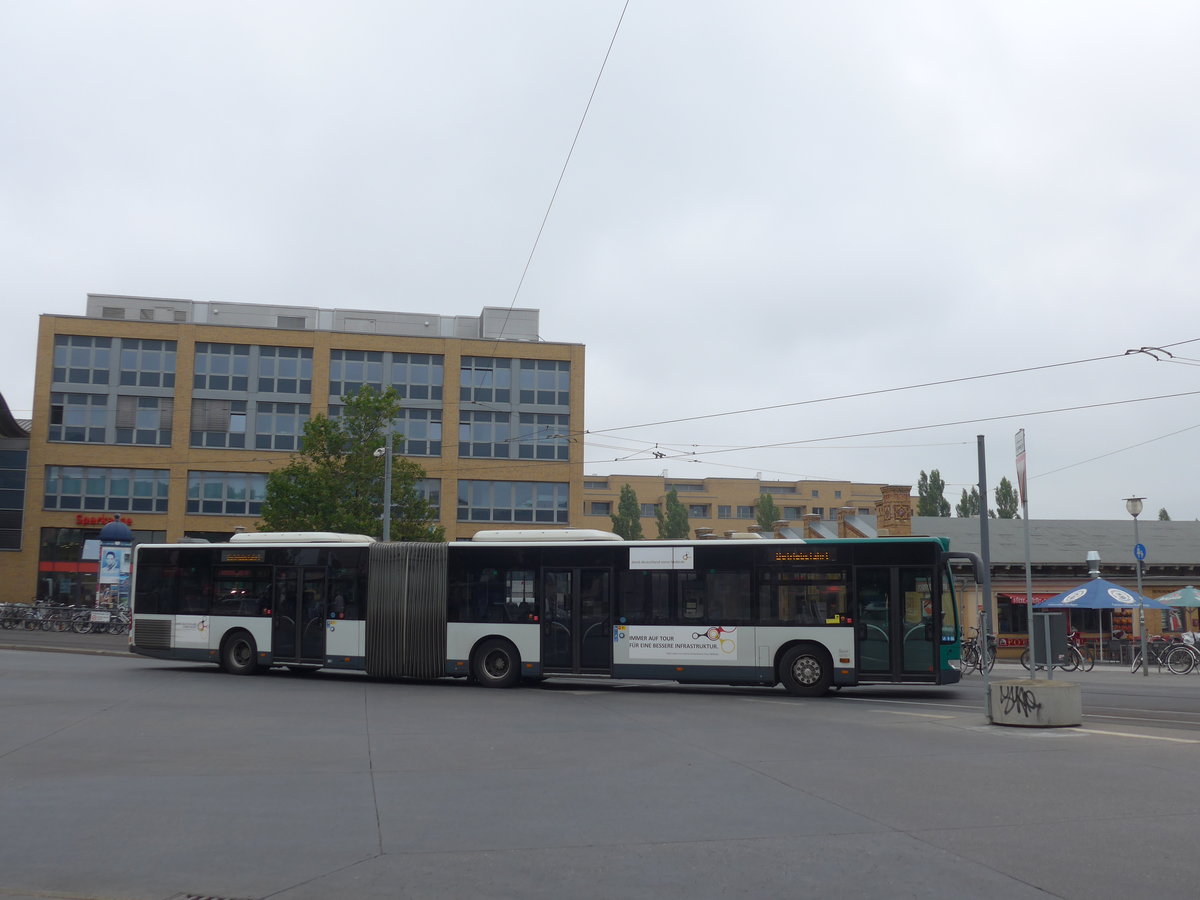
column 1111, row 693
column 134, row 779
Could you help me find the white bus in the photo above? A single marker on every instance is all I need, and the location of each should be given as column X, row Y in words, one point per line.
column 513, row 605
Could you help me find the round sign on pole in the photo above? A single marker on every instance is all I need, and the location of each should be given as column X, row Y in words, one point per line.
column 1139, row 551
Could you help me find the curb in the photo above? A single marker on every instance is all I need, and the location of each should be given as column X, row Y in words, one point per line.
column 77, row 650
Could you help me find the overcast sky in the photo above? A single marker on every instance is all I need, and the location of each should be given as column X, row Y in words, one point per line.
column 769, row 203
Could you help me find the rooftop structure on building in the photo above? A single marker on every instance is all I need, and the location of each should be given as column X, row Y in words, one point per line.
column 493, row 323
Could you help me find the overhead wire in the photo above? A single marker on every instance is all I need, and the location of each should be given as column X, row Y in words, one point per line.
column 562, row 174
column 858, row 394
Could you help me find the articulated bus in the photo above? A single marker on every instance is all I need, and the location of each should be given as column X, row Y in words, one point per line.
column 509, row 606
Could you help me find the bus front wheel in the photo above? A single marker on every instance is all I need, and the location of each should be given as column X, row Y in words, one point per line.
column 496, row 664
column 806, row 671
column 239, row 654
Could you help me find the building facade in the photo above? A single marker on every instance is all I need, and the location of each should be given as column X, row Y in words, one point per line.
column 727, row 504
column 171, row 413
column 14, row 464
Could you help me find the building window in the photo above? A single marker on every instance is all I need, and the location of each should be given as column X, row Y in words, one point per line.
column 649, row 510
column 145, row 420
column 484, row 434
column 106, row 490
column 78, row 418
column 415, row 432
column 683, row 488
column 724, row 512
column 420, row 432
column 863, row 511
column 601, row 508
column 147, row 363
column 818, row 511
column 485, row 380
column 226, row 493
column 82, row 360
column 222, row 367
column 13, row 467
column 219, row 423
column 418, row 376
column 512, row 501
column 431, row 490
column 746, row 512
column 837, row 495
column 351, row 370
column 777, row 489
column 543, row 436
column 816, row 495
column 595, row 485
column 279, row 426
column 285, row 370
column 793, row 512
column 698, row 511
column 545, row 382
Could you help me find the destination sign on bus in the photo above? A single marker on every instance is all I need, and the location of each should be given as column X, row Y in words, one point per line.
column 243, row 556
column 813, row 555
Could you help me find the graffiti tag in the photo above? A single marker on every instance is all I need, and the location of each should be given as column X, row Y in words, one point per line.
column 1020, row 699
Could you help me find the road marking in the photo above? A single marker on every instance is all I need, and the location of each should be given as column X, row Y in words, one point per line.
column 896, row 712
column 1144, row 737
column 911, row 702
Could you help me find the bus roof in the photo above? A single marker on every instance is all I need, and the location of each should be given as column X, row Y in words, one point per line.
column 299, row 537
column 546, row 534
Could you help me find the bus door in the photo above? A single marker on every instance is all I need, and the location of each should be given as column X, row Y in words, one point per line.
column 576, row 617
column 298, row 617
column 896, row 631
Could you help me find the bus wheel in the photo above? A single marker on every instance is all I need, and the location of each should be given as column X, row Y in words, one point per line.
column 496, row 664
column 239, row 654
column 806, row 671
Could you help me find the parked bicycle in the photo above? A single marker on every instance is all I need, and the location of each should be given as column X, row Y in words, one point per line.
column 1157, row 651
column 1182, row 658
column 974, row 657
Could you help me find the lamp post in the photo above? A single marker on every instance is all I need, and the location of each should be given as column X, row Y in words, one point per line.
column 1133, row 505
column 386, row 453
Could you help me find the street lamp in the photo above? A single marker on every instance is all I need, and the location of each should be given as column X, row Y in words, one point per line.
column 1133, row 505
column 386, row 453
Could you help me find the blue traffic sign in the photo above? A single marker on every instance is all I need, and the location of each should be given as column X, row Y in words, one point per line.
column 1139, row 551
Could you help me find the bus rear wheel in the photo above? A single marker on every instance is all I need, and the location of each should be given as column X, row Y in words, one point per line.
column 806, row 671
column 496, row 664
column 239, row 654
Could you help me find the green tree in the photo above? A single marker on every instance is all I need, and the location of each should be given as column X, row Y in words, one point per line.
column 1007, row 500
column 628, row 520
column 1163, row 515
column 673, row 521
column 766, row 513
column 930, row 489
column 335, row 482
column 969, row 504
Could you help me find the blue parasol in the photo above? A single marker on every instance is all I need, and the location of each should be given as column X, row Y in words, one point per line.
column 1100, row 594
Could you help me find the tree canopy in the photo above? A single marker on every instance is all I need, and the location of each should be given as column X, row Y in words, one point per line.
column 766, row 513
column 1163, row 515
column 628, row 519
column 335, row 482
column 930, row 489
column 969, row 504
column 673, row 521
column 1007, row 500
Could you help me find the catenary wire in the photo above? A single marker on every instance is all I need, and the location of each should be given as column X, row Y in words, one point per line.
column 562, row 174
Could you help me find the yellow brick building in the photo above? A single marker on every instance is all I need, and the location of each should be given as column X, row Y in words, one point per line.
column 728, row 504
column 170, row 413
